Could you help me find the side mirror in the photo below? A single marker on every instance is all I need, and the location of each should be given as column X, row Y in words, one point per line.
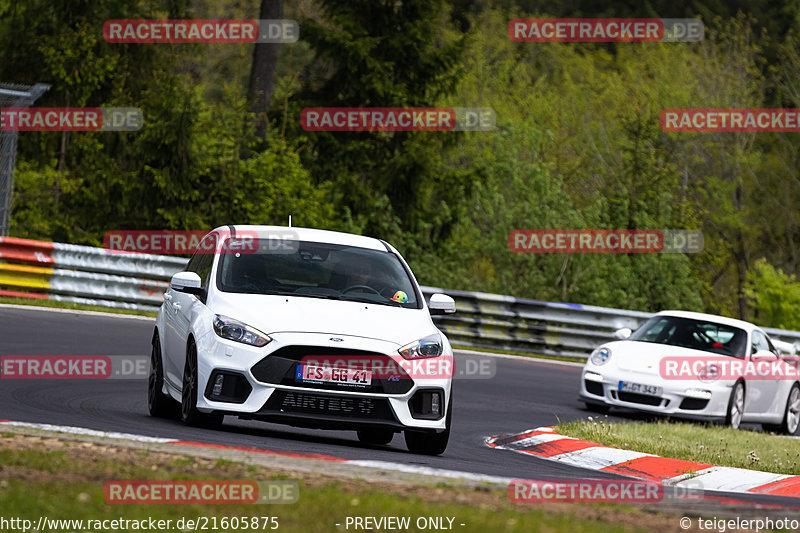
column 623, row 333
column 786, row 349
column 441, row 304
column 188, row 282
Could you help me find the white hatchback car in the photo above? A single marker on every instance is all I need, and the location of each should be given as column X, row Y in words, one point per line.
column 696, row 365
column 305, row 327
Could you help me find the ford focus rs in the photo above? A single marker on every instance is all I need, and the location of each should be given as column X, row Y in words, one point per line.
column 698, row 366
column 305, row 327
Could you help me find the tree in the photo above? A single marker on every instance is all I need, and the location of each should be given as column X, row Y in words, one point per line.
column 262, row 71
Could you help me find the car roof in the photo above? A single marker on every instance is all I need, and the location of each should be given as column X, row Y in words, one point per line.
column 311, row 235
column 747, row 326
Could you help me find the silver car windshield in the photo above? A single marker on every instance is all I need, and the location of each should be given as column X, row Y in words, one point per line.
column 317, row 270
column 694, row 334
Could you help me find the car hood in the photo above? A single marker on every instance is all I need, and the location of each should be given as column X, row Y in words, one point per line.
column 280, row 314
column 644, row 357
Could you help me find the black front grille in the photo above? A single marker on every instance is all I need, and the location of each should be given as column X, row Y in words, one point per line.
column 643, row 399
column 693, row 404
column 280, row 367
column 290, row 402
column 593, row 387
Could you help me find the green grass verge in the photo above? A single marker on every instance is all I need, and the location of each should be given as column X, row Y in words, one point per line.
column 457, row 346
column 705, row 443
column 35, row 302
column 52, row 483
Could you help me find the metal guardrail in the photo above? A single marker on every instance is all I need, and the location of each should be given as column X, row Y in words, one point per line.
column 498, row 322
column 84, row 274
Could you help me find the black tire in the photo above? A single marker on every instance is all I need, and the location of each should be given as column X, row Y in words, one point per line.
column 735, row 403
column 430, row 443
column 158, row 403
column 375, row 436
column 791, row 415
column 189, row 413
column 597, row 408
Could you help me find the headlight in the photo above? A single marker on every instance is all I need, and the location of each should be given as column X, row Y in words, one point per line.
column 233, row 330
column 430, row 346
column 600, row 356
column 708, row 374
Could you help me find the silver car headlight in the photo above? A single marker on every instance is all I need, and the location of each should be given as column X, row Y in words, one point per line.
column 430, row 346
column 709, row 374
column 600, row 356
column 233, row 330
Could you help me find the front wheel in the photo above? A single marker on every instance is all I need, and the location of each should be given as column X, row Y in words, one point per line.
column 791, row 416
column 158, row 403
column 597, row 408
column 190, row 415
column 430, row 443
column 733, row 417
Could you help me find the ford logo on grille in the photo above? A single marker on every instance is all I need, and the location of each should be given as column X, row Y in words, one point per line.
column 336, row 339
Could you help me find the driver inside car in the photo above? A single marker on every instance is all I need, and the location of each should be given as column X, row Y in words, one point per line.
column 360, row 274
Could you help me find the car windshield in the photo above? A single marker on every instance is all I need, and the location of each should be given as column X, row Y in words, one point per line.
column 694, row 334
column 318, row 270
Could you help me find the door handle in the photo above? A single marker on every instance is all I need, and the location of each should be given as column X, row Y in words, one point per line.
column 176, row 305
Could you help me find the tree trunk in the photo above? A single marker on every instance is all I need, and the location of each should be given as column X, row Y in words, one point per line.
column 262, row 71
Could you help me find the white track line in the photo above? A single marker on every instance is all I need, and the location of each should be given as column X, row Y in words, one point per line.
column 75, row 311
column 89, row 432
column 429, row 471
column 461, row 351
column 381, row 465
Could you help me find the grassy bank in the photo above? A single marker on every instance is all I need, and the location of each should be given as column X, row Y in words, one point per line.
column 35, row 302
column 705, row 443
column 64, row 480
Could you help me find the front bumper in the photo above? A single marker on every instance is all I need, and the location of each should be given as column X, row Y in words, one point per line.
column 678, row 398
column 264, row 388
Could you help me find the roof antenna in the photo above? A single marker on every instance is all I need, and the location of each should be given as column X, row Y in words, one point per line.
column 290, row 221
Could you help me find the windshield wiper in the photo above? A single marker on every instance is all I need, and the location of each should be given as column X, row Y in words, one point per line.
column 344, row 298
column 301, row 294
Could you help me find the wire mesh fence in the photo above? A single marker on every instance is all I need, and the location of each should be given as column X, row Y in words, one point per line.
column 12, row 95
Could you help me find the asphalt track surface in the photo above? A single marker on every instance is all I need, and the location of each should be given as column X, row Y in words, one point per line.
column 521, row 395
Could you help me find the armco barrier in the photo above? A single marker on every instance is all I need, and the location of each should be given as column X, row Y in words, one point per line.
column 84, row 274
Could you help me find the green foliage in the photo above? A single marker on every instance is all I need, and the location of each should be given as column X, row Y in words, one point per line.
column 577, row 144
column 380, row 54
column 774, row 295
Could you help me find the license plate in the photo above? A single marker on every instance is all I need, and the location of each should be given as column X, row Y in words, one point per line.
column 327, row 374
column 639, row 388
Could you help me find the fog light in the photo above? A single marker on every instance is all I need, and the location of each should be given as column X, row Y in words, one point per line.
column 217, row 390
column 700, row 394
column 427, row 404
column 592, row 376
column 435, row 404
